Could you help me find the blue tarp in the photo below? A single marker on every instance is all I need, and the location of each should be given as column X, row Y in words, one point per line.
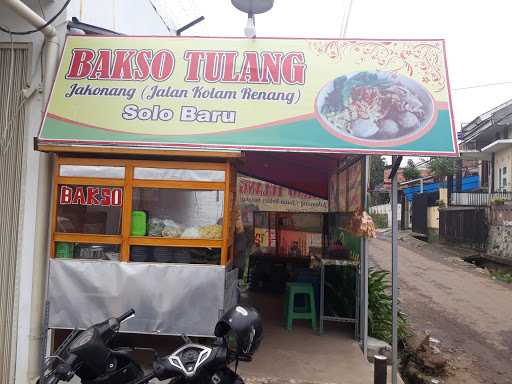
column 469, row 183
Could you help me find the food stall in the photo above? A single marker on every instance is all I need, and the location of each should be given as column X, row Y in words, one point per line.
column 121, row 226
column 148, row 134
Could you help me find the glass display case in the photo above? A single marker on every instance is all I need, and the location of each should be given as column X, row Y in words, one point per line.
column 140, row 210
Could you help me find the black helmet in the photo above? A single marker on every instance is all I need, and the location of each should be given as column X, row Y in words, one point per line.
column 245, row 323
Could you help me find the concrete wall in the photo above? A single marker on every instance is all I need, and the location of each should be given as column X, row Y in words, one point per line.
column 433, row 217
column 503, row 159
column 385, row 209
column 34, row 216
column 139, row 18
column 443, row 195
column 499, row 245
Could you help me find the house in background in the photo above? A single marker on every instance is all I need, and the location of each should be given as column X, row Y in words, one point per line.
column 488, row 139
column 479, row 219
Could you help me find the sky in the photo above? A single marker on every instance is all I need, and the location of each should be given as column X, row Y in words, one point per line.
column 477, row 35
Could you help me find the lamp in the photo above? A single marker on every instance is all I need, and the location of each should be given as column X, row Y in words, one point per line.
column 250, row 27
column 252, row 7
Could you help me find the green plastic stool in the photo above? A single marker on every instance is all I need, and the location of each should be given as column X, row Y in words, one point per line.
column 293, row 312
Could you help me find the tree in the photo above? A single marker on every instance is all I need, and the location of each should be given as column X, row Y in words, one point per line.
column 441, row 167
column 376, row 171
column 410, row 171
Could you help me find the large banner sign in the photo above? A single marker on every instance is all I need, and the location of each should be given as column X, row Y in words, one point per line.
column 309, row 95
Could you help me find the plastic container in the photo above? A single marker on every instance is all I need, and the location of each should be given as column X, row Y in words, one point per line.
column 64, row 250
column 139, row 223
column 140, row 253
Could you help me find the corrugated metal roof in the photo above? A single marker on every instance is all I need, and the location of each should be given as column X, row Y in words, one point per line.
column 486, row 120
column 469, row 183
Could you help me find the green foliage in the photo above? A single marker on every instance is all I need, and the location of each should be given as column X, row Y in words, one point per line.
column 498, row 201
column 380, row 220
column 377, row 166
column 506, row 277
column 410, row 171
column 440, row 167
column 380, row 320
column 340, row 291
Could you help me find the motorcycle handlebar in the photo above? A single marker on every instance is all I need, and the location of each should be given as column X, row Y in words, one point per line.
column 126, row 316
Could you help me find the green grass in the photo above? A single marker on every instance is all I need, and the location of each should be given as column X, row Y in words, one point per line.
column 380, row 220
column 505, row 277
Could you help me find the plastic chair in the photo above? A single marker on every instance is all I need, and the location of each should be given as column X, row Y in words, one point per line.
column 294, row 312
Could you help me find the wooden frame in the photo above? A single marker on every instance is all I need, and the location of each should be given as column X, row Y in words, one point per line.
column 124, row 239
column 138, row 151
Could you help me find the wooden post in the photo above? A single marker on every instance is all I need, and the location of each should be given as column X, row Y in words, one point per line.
column 126, row 223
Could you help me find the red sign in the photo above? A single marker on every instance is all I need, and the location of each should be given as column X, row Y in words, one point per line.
column 102, row 196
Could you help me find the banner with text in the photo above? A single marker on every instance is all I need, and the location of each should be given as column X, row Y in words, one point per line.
column 309, row 95
column 258, row 195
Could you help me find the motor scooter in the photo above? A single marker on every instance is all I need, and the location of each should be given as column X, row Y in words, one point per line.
column 87, row 355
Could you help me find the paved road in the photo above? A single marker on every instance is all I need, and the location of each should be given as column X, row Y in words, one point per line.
column 459, row 304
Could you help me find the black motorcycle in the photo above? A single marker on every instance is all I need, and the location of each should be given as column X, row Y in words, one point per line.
column 239, row 333
column 86, row 354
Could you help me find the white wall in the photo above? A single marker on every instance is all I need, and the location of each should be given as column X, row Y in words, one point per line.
column 130, row 17
column 126, row 16
column 503, row 160
column 32, row 241
column 386, row 209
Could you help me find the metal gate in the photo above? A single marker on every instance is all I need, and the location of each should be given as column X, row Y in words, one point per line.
column 465, row 225
column 13, row 74
column 419, row 213
column 420, row 204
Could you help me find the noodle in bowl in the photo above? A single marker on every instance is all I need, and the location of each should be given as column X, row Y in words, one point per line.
column 377, row 109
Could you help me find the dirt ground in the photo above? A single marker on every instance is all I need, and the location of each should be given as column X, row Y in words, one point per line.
column 458, row 303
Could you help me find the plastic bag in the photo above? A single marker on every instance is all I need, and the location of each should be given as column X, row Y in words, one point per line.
column 164, row 227
column 172, row 231
column 361, row 224
column 191, row 233
column 155, row 226
column 239, row 225
column 211, row 231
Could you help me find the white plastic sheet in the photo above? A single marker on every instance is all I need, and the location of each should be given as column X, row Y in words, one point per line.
column 168, row 299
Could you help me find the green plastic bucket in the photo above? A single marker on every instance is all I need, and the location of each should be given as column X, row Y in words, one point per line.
column 139, row 223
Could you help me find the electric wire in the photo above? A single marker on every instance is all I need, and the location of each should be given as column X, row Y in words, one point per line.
column 345, row 19
column 51, row 20
column 483, row 85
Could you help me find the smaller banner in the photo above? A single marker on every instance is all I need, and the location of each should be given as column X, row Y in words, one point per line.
column 257, row 195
